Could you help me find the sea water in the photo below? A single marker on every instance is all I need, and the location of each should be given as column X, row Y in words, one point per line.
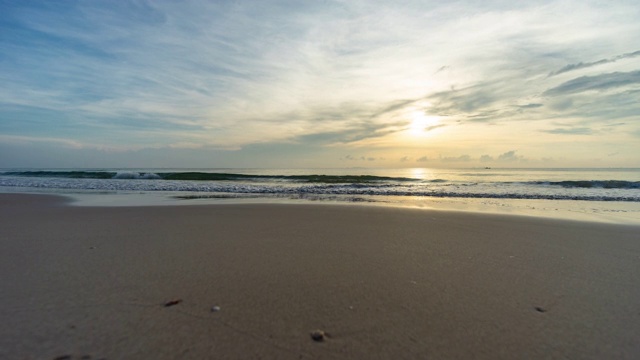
column 609, row 193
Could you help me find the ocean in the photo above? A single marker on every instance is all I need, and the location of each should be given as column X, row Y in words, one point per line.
column 609, row 193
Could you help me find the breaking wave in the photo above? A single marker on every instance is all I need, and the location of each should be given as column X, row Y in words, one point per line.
column 603, row 184
column 209, row 176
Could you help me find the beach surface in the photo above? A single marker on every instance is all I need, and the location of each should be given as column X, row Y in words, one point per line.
column 249, row 281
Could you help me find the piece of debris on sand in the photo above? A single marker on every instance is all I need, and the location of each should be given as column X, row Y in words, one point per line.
column 172, row 302
column 319, row 335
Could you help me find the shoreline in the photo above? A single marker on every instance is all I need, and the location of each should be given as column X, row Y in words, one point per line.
column 383, row 282
column 623, row 213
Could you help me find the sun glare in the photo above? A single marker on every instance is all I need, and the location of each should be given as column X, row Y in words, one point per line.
column 420, row 123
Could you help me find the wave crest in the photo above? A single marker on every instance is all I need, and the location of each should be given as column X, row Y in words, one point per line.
column 135, row 175
column 604, row 184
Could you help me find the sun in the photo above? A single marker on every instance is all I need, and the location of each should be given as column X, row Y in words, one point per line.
column 420, row 123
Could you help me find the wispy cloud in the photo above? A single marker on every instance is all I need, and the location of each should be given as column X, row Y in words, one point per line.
column 582, row 65
column 597, row 82
column 30, row 140
column 570, row 131
column 529, row 106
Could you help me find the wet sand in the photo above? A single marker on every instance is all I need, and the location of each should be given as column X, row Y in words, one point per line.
column 92, row 283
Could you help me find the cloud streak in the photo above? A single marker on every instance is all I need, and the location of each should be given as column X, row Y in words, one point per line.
column 595, row 83
column 570, row 131
column 583, row 65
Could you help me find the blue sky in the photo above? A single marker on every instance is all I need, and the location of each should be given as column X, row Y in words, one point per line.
column 319, row 83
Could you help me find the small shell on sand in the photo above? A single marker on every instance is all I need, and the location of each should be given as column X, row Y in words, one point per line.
column 215, row 308
column 319, row 335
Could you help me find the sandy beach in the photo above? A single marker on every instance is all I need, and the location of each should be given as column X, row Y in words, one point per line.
column 253, row 281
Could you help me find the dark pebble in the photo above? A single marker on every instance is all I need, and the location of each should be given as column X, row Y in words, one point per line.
column 172, row 302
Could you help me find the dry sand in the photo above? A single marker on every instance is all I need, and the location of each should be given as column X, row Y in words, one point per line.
column 91, row 283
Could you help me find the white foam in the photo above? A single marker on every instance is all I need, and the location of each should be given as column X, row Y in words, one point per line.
column 135, row 175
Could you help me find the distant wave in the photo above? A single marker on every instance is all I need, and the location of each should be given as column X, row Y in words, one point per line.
column 64, row 174
column 206, row 176
column 604, row 184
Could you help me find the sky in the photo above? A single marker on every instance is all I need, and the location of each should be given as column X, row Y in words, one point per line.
column 307, row 84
